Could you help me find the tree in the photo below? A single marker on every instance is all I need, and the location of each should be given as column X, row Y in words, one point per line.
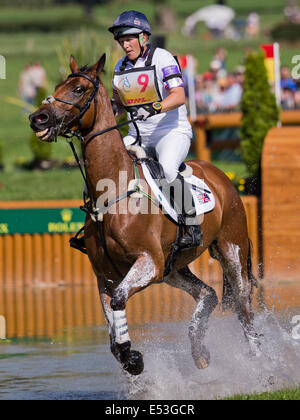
column 259, row 112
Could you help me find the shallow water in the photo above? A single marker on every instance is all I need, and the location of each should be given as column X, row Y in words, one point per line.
column 78, row 364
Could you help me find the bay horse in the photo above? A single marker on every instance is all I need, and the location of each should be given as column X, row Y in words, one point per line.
column 137, row 245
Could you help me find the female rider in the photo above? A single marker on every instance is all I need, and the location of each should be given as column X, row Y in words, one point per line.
column 149, row 80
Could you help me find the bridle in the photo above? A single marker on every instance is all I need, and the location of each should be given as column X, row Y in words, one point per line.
column 66, row 127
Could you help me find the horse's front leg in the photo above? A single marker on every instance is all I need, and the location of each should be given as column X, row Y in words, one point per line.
column 142, row 273
column 105, row 301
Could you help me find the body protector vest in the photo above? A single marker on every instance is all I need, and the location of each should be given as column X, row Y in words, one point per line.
column 138, row 86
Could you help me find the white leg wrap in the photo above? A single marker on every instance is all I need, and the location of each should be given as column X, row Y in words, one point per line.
column 121, row 327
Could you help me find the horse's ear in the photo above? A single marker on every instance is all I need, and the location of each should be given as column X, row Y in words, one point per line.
column 100, row 65
column 73, row 65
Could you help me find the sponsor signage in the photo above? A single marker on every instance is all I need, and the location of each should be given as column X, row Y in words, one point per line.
column 55, row 220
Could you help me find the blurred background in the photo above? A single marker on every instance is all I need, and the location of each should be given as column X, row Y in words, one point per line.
column 38, row 36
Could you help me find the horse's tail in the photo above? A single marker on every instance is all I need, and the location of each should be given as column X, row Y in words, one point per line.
column 227, row 299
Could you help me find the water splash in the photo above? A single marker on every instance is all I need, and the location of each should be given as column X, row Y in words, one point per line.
column 170, row 373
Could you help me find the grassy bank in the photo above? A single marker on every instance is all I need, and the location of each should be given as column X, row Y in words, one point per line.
column 281, row 395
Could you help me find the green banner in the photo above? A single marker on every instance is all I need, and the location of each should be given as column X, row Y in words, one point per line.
column 58, row 220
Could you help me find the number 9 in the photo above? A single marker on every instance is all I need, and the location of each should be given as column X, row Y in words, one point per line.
column 143, row 80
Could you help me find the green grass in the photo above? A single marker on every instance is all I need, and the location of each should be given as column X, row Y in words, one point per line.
column 39, row 185
column 281, row 395
column 22, row 48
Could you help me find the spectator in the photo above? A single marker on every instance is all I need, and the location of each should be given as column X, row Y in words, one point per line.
column 38, row 75
column 252, row 25
column 240, row 75
column 230, row 94
column 215, row 66
column 31, row 79
column 27, row 88
column 285, row 79
column 206, row 91
column 287, row 98
column 221, row 55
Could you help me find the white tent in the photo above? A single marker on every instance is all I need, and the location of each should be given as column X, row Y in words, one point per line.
column 215, row 17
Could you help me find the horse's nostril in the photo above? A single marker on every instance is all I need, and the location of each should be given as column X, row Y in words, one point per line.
column 42, row 118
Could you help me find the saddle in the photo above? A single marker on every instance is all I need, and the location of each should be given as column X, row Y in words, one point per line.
column 157, row 172
column 203, row 198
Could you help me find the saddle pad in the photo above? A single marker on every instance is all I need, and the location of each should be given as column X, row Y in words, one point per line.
column 203, row 197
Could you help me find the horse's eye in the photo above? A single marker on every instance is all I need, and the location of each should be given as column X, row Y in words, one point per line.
column 78, row 90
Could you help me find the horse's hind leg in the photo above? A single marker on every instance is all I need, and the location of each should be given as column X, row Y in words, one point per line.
column 235, row 259
column 207, row 300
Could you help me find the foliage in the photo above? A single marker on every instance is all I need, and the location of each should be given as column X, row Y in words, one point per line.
column 238, row 181
column 1, row 155
column 280, row 395
column 259, row 111
column 286, row 32
column 41, row 150
column 87, row 47
column 60, row 24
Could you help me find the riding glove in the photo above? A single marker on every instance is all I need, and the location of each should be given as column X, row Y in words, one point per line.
column 146, row 111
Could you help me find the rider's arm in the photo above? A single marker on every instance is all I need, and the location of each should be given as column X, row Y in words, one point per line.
column 174, row 100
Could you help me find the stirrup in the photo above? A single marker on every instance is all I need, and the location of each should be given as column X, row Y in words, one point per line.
column 193, row 237
column 78, row 243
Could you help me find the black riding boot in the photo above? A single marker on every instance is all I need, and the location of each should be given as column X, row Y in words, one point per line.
column 184, row 205
column 78, row 243
column 193, row 236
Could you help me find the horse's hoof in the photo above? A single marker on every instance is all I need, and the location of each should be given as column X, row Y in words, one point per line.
column 202, row 358
column 202, row 363
column 134, row 363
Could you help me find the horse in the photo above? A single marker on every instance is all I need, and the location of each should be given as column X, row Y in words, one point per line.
column 129, row 252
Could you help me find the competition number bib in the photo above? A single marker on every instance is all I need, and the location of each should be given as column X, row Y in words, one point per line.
column 137, row 87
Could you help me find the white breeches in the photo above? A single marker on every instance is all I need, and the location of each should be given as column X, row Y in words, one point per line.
column 171, row 150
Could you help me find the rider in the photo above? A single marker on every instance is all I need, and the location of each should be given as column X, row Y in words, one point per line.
column 149, row 81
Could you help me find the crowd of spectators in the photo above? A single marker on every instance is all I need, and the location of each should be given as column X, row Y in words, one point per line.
column 290, row 90
column 219, row 90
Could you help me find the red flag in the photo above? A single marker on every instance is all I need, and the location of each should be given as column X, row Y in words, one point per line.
column 269, row 61
column 269, row 50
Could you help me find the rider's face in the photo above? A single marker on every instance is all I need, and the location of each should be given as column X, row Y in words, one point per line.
column 131, row 46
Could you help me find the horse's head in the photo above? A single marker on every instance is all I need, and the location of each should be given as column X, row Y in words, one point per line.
column 69, row 109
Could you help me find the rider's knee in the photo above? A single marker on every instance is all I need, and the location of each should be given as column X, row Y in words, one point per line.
column 170, row 173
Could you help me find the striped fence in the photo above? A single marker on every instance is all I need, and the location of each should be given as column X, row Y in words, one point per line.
column 47, row 260
column 37, row 272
